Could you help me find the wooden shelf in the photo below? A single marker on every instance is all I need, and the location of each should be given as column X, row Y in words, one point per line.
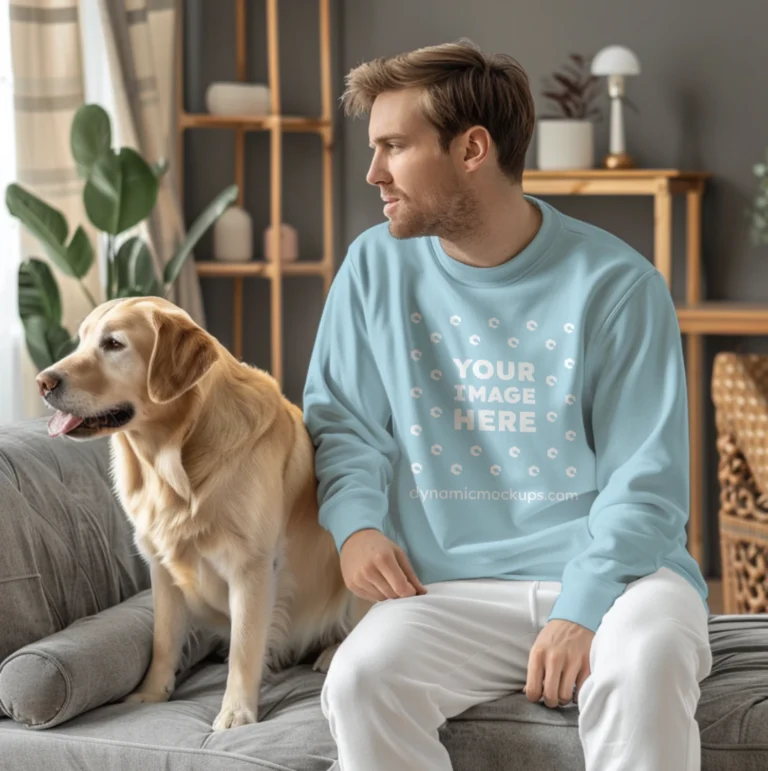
column 259, row 269
column 617, row 174
column 289, row 123
column 723, row 318
column 612, row 181
column 276, row 124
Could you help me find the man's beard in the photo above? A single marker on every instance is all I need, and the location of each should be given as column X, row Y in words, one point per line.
column 450, row 214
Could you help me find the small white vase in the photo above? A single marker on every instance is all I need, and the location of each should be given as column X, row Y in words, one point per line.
column 564, row 143
column 233, row 236
column 238, row 99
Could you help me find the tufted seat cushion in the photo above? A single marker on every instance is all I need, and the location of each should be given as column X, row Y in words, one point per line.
column 292, row 733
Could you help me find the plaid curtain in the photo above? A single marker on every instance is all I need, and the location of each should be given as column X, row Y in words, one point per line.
column 48, row 89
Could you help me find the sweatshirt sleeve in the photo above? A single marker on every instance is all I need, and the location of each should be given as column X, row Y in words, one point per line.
column 639, row 420
column 347, row 413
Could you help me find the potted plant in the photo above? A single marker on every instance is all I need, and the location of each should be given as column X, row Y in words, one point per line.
column 120, row 191
column 566, row 134
column 758, row 212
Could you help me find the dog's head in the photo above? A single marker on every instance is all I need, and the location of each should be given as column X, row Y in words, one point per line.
column 134, row 357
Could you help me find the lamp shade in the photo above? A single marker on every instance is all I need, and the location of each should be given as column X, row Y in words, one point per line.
column 615, row 60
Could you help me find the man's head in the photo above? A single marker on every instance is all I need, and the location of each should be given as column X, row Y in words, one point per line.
column 445, row 122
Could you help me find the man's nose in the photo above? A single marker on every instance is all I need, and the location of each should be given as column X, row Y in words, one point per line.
column 47, row 381
column 377, row 174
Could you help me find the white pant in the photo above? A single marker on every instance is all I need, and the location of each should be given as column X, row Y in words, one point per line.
column 413, row 662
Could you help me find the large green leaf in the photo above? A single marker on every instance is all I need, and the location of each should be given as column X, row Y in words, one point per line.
column 50, row 228
column 135, row 269
column 102, row 192
column 120, row 192
column 79, row 253
column 130, row 291
column 46, row 342
column 90, row 136
column 141, row 185
column 38, row 291
column 111, row 288
column 35, row 328
column 47, row 224
column 208, row 216
column 60, row 343
column 122, row 269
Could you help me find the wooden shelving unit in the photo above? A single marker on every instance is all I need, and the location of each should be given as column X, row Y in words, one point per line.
column 723, row 318
column 259, row 268
column 250, row 123
column 276, row 124
column 696, row 317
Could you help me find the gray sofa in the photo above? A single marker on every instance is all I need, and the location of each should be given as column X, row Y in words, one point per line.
column 75, row 630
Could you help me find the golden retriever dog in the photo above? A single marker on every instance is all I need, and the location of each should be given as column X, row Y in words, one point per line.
column 215, row 468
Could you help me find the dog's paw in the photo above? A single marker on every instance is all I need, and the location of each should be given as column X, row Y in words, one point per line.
column 323, row 661
column 146, row 697
column 232, row 717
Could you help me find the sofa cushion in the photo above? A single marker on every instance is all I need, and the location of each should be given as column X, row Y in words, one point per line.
column 733, row 708
column 96, row 660
column 293, row 735
column 177, row 736
column 67, row 545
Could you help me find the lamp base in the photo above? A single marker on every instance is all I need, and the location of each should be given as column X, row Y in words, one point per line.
column 618, row 161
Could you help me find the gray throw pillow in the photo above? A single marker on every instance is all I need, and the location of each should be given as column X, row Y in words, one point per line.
column 94, row 661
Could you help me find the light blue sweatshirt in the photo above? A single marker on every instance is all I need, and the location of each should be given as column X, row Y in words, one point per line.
column 526, row 421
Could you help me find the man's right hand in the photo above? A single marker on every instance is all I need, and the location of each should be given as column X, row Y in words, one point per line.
column 375, row 568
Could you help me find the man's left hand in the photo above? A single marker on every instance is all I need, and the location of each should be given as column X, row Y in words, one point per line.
column 558, row 663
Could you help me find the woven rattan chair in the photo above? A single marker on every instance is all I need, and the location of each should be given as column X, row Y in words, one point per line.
column 740, row 396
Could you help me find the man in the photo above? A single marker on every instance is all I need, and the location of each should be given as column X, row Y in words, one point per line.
column 497, row 400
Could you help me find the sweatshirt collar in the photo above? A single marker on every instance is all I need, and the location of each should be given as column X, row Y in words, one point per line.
column 511, row 270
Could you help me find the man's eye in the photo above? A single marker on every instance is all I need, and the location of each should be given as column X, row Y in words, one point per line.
column 111, row 344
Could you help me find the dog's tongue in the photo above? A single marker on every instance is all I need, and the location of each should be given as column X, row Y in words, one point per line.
column 62, row 423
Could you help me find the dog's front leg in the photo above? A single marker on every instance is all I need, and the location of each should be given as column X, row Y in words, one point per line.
column 250, row 599
column 170, row 621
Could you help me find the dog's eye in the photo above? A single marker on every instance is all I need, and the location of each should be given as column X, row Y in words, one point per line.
column 111, row 344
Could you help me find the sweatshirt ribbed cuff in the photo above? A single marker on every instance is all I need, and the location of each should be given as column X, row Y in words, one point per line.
column 345, row 517
column 585, row 599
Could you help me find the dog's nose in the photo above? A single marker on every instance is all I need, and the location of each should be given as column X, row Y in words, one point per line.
column 47, row 381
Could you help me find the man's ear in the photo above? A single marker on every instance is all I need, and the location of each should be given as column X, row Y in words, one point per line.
column 477, row 145
column 182, row 354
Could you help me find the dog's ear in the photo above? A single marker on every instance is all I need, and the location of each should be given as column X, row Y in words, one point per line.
column 182, row 354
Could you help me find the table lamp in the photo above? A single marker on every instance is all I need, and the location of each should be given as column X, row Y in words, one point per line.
column 616, row 62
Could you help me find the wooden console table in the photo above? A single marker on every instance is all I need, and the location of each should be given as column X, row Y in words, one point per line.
column 696, row 319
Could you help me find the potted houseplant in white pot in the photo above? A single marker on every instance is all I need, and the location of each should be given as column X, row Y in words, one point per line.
column 566, row 138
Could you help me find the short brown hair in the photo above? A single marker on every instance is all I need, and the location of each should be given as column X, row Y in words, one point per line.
column 463, row 87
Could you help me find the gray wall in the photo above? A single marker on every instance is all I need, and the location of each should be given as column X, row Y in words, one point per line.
column 702, row 105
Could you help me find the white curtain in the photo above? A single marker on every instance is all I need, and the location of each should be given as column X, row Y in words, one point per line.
column 11, row 335
column 48, row 89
